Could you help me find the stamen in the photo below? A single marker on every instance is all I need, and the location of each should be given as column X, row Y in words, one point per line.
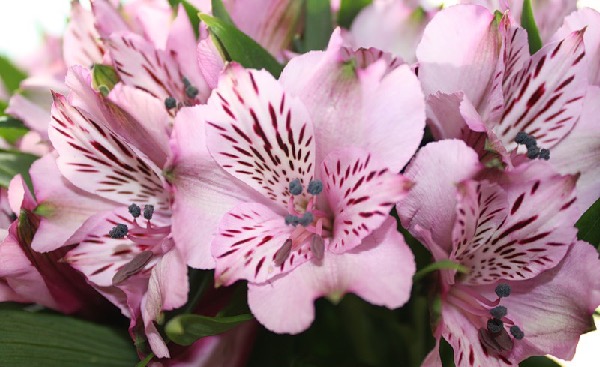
column 191, row 91
column 283, row 253
column 495, row 326
column 533, row 152
column 185, row 81
column 118, row 231
column 516, row 332
column 170, row 103
column 544, row 154
column 315, row 187
column 133, row 267
column 498, row 312
column 135, row 210
column 521, row 137
column 148, row 211
column 307, row 219
column 317, row 247
column 295, row 187
column 292, row 219
column 503, row 290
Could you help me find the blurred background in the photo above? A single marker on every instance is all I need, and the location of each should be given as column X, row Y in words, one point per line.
column 23, row 23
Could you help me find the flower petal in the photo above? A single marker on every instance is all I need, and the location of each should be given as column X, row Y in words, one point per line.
column 260, row 134
column 81, row 44
column 203, row 191
column 98, row 161
column 545, row 98
column 431, row 203
column 373, row 108
column 361, row 192
column 247, row 244
column 285, row 304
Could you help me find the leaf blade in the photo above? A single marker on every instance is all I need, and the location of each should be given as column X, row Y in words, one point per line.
column 186, row 329
column 528, row 22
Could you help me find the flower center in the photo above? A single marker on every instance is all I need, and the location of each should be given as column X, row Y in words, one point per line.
column 189, row 98
column 310, row 223
column 533, row 151
column 148, row 237
column 481, row 311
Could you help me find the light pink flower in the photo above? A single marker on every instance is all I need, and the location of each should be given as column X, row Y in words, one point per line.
column 313, row 145
column 519, row 257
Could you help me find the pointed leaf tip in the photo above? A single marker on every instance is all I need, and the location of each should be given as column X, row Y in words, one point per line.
column 186, row 329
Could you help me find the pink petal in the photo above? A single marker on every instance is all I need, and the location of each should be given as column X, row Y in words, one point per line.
column 545, row 98
column 152, row 19
column 107, row 18
column 247, row 243
column 285, row 304
column 65, row 207
column 81, row 44
column 579, row 152
column 361, row 192
column 259, row 134
column 210, row 62
column 455, row 58
column 590, row 19
column 98, row 161
column 376, row 109
column 33, row 115
column 431, row 203
column 203, row 191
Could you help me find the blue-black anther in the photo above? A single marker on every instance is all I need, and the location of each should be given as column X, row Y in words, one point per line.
column 148, row 211
column 503, row 290
column 315, row 187
column 191, row 91
column 495, row 325
column 533, row 152
column 170, row 103
column 498, row 312
column 135, row 210
column 295, row 187
column 306, row 219
column 516, row 332
column 291, row 219
column 118, row 231
column 521, row 137
column 185, row 81
column 544, row 154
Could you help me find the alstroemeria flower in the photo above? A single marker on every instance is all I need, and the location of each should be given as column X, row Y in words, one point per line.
column 514, row 233
column 322, row 146
column 482, row 84
column 113, row 148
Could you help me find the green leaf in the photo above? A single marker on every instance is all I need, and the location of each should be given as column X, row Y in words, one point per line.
column 528, row 22
column 11, row 129
column 10, row 74
column 317, row 25
column 186, row 329
column 349, row 9
column 442, row 264
column 45, row 339
column 192, row 13
column 13, row 162
column 104, row 78
column 219, row 11
column 236, row 46
column 589, row 225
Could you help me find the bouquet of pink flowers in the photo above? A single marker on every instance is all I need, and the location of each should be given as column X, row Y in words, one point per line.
column 393, row 183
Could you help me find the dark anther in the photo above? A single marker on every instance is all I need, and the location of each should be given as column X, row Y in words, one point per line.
column 118, row 231
column 283, row 253
column 544, row 154
column 306, row 219
column 135, row 210
column 315, row 187
column 295, row 187
column 533, row 152
column 521, row 137
column 185, row 81
column 133, row 267
column 495, row 326
column 503, row 290
column 516, row 332
column 170, row 103
column 191, row 91
column 498, row 312
column 12, row 217
column 291, row 219
column 317, row 246
column 148, row 211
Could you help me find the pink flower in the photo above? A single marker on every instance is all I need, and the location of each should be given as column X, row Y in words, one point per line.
column 312, row 145
column 517, row 292
column 484, row 88
column 112, row 149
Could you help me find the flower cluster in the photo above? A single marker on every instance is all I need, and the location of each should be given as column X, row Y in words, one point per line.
column 163, row 148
